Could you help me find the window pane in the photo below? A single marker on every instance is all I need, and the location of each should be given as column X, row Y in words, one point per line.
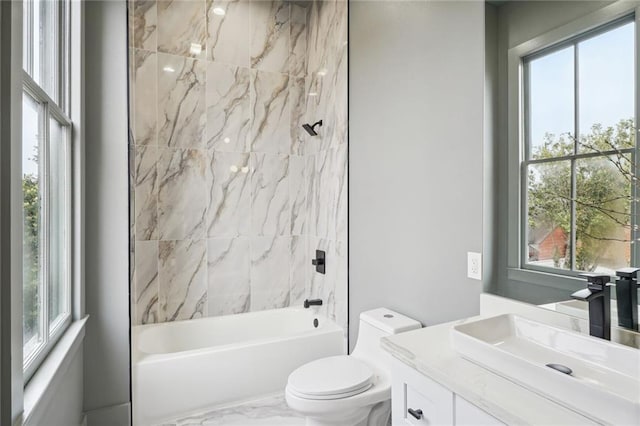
column 37, row 39
column 549, row 214
column 41, row 22
column 32, row 228
column 32, row 33
column 59, row 226
column 603, row 214
column 606, row 89
column 50, row 48
column 551, row 104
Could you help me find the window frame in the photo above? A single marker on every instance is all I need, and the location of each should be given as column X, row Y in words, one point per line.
column 573, row 158
column 52, row 332
column 580, row 29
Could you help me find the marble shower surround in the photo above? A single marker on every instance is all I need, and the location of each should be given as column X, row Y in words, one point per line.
column 230, row 197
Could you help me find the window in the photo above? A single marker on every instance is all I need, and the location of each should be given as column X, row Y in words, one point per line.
column 46, row 180
column 578, row 129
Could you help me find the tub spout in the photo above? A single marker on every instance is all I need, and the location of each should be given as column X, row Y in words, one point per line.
column 312, row 302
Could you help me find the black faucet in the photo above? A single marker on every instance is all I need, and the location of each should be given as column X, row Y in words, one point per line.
column 312, row 302
column 627, row 297
column 598, row 295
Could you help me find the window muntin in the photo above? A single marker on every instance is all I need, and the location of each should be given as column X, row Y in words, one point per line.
column 46, row 153
column 579, row 150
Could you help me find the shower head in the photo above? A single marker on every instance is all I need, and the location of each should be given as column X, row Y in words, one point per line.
column 311, row 128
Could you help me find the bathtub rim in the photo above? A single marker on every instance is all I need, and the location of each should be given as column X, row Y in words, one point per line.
column 140, row 357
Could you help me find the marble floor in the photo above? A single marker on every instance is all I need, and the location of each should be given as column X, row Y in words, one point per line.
column 268, row 411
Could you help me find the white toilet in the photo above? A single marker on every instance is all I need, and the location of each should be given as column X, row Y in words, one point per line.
column 350, row 390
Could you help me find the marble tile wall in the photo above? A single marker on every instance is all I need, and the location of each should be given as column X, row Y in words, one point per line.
column 230, row 196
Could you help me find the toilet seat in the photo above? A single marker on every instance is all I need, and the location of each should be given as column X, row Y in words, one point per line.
column 334, row 377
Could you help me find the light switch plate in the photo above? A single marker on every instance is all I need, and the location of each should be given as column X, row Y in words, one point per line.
column 474, row 265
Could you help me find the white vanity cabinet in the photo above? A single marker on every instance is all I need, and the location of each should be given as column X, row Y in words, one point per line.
column 417, row 400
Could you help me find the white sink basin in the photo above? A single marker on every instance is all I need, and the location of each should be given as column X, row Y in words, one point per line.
column 604, row 384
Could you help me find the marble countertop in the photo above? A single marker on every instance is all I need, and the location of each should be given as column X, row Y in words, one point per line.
column 429, row 351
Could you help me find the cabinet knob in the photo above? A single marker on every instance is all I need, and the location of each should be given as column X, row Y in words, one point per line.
column 415, row 413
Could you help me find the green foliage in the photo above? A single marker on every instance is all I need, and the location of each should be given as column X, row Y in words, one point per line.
column 603, row 191
column 31, row 253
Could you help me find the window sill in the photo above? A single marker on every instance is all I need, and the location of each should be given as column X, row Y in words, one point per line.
column 39, row 390
column 545, row 279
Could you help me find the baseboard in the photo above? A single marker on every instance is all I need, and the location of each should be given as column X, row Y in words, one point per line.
column 115, row 415
column 83, row 422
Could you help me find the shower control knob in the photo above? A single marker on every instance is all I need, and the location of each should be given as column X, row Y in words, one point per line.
column 319, row 261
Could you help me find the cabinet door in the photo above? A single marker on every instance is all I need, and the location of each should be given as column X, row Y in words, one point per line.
column 467, row 414
column 418, row 400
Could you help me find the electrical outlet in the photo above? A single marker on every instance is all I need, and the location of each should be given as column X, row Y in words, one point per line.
column 474, row 265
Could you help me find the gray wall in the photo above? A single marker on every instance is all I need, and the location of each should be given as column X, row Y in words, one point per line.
column 106, row 355
column 490, row 225
column 518, row 22
column 416, row 150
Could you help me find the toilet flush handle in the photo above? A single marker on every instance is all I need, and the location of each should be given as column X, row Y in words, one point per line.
column 415, row 413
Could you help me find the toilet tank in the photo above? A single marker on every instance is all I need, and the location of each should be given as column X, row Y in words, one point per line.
column 375, row 324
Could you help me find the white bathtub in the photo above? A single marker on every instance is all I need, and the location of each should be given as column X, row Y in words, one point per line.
column 189, row 366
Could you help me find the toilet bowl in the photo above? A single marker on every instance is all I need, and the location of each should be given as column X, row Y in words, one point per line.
column 350, row 390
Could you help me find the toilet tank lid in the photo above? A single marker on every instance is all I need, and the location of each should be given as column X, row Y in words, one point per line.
column 389, row 321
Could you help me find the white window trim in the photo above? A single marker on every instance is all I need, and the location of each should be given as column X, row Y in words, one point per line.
column 42, row 386
column 59, row 111
column 516, row 149
column 19, row 401
column 52, row 332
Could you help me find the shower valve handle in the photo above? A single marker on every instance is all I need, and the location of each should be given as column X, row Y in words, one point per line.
column 319, row 261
